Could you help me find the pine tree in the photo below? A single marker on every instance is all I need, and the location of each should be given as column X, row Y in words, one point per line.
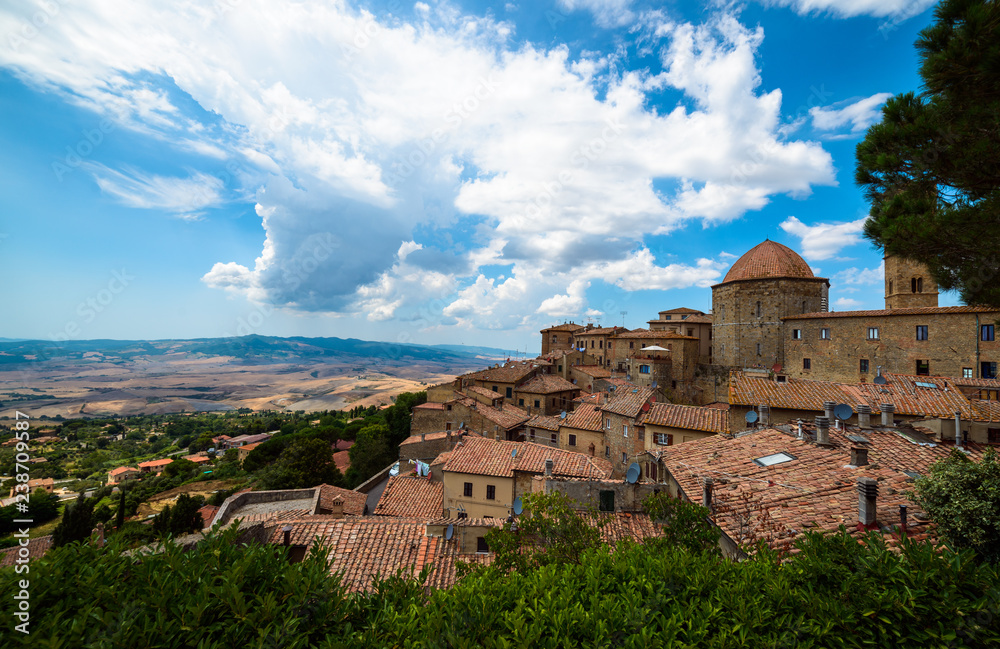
column 76, row 524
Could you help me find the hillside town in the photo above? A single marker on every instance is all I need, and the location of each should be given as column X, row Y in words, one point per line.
column 777, row 415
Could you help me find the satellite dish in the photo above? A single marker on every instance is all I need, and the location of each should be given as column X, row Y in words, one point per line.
column 654, row 384
column 776, row 368
column 513, row 453
column 879, row 380
column 632, row 476
column 462, row 425
column 562, row 415
column 751, row 417
column 611, row 388
column 518, row 506
column 450, row 532
column 843, row 411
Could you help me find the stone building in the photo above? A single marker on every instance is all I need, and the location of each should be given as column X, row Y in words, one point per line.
column 908, row 284
column 546, row 395
column 595, row 341
column 768, row 283
column 688, row 322
column 559, row 337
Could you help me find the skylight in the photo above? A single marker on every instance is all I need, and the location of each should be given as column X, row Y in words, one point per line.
column 858, row 439
column 771, row 460
column 924, row 384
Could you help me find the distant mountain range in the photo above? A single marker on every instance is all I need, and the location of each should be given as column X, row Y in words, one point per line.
column 247, row 348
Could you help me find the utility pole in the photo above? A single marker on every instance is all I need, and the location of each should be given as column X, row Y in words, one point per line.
column 623, row 313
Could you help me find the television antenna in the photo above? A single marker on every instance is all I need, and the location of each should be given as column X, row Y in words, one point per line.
column 623, row 314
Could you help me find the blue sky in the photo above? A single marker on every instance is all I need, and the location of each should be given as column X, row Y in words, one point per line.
column 427, row 172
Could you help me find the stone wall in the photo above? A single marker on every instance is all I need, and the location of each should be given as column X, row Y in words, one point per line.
column 908, row 283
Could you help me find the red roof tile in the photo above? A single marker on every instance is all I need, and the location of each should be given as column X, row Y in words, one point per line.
column 628, row 402
column 594, row 371
column 769, row 259
column 882, row 313
column 586, row 416
column 481, row 456
column 489, row 394
column 568, row 326
column 411, row 496
column 709, row 420
column 354, row 501
column 546, row 384
column 36, row 548
column 543, row 421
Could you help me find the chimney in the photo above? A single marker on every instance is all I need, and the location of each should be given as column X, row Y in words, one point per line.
column 859, row 456
column 801, row 433
column 887, row 410
column 337, row 507
column 765, row 413
column 548, row 468
column 902, row 518
column 706, row 492
column 864, row 416
column 822, row 430
column 286, row 535
column 958, row 430
column 867, row 497
column 423, row 437
column 828, row 407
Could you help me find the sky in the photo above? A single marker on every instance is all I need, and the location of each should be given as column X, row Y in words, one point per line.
column 429, row 172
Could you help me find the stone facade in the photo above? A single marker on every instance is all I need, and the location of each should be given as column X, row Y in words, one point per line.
column 849, row 346
column 747, row 328
column 559, row 337
column 908, row 284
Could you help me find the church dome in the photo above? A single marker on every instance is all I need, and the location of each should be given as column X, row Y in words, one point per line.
column 769, row 260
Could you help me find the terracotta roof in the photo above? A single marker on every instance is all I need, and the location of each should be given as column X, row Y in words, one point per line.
column 567, row 326
column 481, row 456
column 817, row 488
column 769, row 259
column 442, row 457
column 415, row 439
column 410, row 496
column 36, row 548
column 198, row 458
column 207, row 514
column 506, row 416
column 586, row 417
column 709, row 420
column 155, row 463
column 985, row 410
column 600, row 331
column 681, row 310
column 699, row 319
column 354, row 501
column 594, row 371
column 122, row 469
column 721, row 405
column 509, row 373
column 628, row 402
column 490, row 394
column 543, row 421
column 992, row 384
column 901, row 390
column 430, row 405
column 881, row 313
column 547, row 384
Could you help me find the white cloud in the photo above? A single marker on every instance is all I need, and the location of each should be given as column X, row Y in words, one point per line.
column 859, row 115
column 358, row 138
column 824, row 240
column 846, row 303
column 607, row 13
column 183, row 196
column 899, row 9
column 860, row 276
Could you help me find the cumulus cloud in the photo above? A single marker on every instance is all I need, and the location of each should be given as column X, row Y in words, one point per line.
column 361, row 139
column 846, row 303
column 898, row 9
column 854, row 277
column 607, row 13
column 824, row 240
column 858, row 115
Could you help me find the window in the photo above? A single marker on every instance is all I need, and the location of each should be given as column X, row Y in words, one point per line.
column 631, row 344
column 468, row 490
column 555, row 338
column 644, row 369
column 806, row 364
column 496, row 389
column 624, row 457
column 824, row 333
column 966, row 372
column 796, row 334
column 917, row 285
column 607, row 451
column 890, row 287
column 667, row 317
column 642, row 434
column 923, row 368
column 559, row 368
column 491, row 492
column 520, row 402
column 872, row 333
column 759, row 310
column 684, row 317
column 607, row 423
column 554, row 438
column 625, row 430
column 864, row 366
column 601, row 344
column 771, row 460
column 921, row 332
column 607, row 501
column 758, row 349
column 482, row 546
column 993, row 435
column 986, row 332
column 690, row 332
column 988, row 370
column 447, row 425
column 537, row 403
column 448, row 407
column 510, row 392
column 572, row 440
column 664, row 439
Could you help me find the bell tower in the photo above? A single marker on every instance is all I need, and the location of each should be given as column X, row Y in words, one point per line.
column 908, row 283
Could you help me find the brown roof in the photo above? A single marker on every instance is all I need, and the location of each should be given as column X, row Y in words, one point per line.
column 411, row 496
column 155, row 463
column 993, row 384
column 567, row 326
column 769, row 259
column 593, row 371
column 543, row 421
column 122, row 469
column 881, row 313
column 354, row 501
column 682, row 310
column 628, row 402
column 509, row 373
column 901, row 390
column 481, row 456
column 817, row 488
column 430, row 405
column 207, row 514
column 507, row 416
column 547, row 384
column 490, row 394
column 985, row 410
column 586, row 417
column 36, row 548
column 415, row 439
column 600, row 331
column 709, row 420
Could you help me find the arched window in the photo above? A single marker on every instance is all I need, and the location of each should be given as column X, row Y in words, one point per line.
column 913, row 285
column 758, row 309
column 890, row 287
column 920, row 285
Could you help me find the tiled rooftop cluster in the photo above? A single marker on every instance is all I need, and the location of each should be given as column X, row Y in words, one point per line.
column 498, row 458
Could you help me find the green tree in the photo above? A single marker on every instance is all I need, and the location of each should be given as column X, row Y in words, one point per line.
column 372, row 452
column 185, row 517
column 931, row 168
column 551, row 529
column 306, row 463
column 685, row 524
column 161, row 524
column 120, row 514
column 963, row 498
column 77, row 522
